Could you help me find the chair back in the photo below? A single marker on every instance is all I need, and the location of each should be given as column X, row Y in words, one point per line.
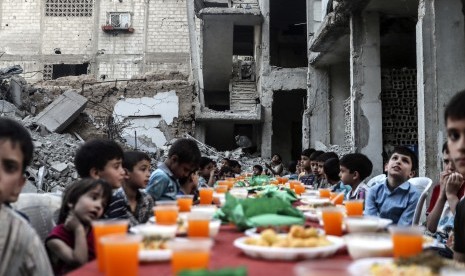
column 419, row 216
column 420, row 183
column 376, row 179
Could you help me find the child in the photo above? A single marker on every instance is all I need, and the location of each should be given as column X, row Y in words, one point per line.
column 189, row 186
column 307, row 176
column 320, row 160
column 206, row 172
column 235, row 167
column 257, row 170
column 71, row 242
column 331, row 174
column 276, row 165
column 395, row 198
column 101, row 159
column 183, row 159
column 292, row 169
column 454, row 115
column 354, row 168
column 21, row 250
column 225, row 172
column 129, row 201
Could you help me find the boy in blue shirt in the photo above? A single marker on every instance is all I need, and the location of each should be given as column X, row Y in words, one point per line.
column 183, row 159
column 395, row 198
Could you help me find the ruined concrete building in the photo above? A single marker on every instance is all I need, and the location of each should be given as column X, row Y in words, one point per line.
column 363, row 75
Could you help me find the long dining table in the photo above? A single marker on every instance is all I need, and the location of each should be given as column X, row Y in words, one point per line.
column 225, row 255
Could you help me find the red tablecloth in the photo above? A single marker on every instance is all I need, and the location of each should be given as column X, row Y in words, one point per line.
column 224, row 254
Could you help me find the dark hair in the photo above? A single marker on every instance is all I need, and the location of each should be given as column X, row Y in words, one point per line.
column 186, row 150
column 96, row 154
column 234, row 163
column 445, row 148
column 131, row 158
column 17, row 135
column 258, row 167
column 315, row 155
column 406, row 151
column 279, row 156
column 225, row 170
column 357, row 162
column 454, row 109
column 79, row 188
column 291, row 167
column 326, row 156
column 307, row 152
column 331, row 168
column 204, row 161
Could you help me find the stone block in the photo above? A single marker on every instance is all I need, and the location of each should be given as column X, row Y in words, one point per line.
column 62, row 111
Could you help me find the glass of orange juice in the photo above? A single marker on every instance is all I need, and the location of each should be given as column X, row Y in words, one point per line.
column 184, row 202
column 190, row 254
column 198, row 224
column 407, row 240
column 324, row 193
column 354, row 207
column 299, row 188
column 166, row 214
column 221, row 188
column 121, row 254
column 206, row 195
column 102, row 228
column 292, row 183
column 338, row 199
column 332, row 220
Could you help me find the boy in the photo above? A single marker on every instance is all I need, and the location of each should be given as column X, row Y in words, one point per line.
column 235, row 166
column 101, row 159
column 354, row 168
column 306, row 176
column 257, row 170
column 129, row 201
column 395, row 198
column 454, row 116
column 183, row 159
column 206, row 172
column 21, row 250
column 292, row 169
column 321, row 181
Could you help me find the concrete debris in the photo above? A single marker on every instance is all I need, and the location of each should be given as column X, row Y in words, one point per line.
column 9, row 109
column 59, row 167
column 10, row 71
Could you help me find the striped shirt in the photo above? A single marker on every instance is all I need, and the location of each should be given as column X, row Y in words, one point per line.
column 119, row 207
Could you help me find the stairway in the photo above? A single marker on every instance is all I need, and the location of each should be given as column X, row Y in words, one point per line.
column 243, row 96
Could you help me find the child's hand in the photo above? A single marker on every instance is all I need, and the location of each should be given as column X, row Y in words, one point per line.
column 72, row 222
column 453, row 183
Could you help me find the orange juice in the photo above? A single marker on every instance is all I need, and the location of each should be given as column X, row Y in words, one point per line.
column 354, row 207
column 185, row 203
column 274, row 182
column 332, row 195
column 189, row 260
column 166, row 215
column 292, row 183
column 332, row 220
column 299, row 189
column 406, row 245
column 221, row 189
column 230, row 184
column 324, row 193
column 206, row 195
column 103, row 228
column 283, row 180
column 198, row 228
column 338, row 199
column 121, row 254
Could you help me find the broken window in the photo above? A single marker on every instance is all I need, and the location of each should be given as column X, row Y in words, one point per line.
column 119, row 20
column 63, row 70
column 71, row 8
column 243, row 40
column 288, row 33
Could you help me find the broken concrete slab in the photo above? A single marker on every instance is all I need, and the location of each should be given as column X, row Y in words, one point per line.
column 9, row 108
column 59, row 167
column 62, row 111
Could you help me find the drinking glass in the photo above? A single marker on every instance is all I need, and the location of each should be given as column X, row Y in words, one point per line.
column 332, row 221
column 121, row 254
column 102, row 228
column 407, row 240
column 190, row 254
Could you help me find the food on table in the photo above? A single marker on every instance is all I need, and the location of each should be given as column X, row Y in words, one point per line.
column 395, row 270
column 298, row 236
column 155, row 242
column 314, row 206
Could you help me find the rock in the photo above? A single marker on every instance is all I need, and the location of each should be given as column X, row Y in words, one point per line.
column 59, row 167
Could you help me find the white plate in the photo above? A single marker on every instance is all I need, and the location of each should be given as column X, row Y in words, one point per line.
column 314, row 200
column 289, row 254
column 155, row 255
column 362, row 267
column 252, row 232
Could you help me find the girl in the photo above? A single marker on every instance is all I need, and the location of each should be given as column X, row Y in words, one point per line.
column 71, row 243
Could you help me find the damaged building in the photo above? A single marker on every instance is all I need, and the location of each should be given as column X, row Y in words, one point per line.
column 354, row 75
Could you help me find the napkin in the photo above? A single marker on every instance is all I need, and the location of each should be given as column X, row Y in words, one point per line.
column 274, row 192
column 240, row 271
column 259, row 180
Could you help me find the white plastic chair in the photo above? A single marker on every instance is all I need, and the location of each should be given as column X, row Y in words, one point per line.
column 424, row 185
column 376, row 179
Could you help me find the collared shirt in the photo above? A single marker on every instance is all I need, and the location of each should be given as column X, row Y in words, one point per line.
column 342, row 188
column 398, row 205
column 307, row 179
column 21, row 250
column 359, row 192
column 162, row 184
column 119, row 207
column 202, row 182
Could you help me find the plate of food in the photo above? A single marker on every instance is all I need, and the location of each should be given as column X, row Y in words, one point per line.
column 298, row 244
column 181, row 223
column 154, row 246
column 256, row 231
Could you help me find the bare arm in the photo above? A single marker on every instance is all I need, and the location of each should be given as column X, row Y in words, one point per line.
column 433, row 218
column 453, row 184
column 211, row 180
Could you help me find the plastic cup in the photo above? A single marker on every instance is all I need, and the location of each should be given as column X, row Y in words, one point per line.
column 103, row 228
column 166, row 214
column 274, row 182
column 198, row 224
column 190, row 254
column 230, row 184
column 185, row 202
column 206, row 195
column 221, row 188
column 299, row 188
column 338, row 199
column 292, row 183
column 324, row 193
column 239, row 192
column 407, row 241
column 354, row 207
column 332, row 221
column 121, row 254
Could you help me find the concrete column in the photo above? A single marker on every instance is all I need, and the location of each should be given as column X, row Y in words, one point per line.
column 316, row 123
column 440, row 74
column 365, row 82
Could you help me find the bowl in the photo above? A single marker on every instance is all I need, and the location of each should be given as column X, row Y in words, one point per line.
column 239, row 192
column 361, row 224
column 368, row 245
column 214, row 227
column 147, row 230
column 208, row 209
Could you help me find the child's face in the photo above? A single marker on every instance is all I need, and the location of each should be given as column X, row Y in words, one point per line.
column 11, row 171
column 447, row 164
column 181, row 170
column 305, row 163
column 89, row 206
column 140, row 174
column 347, row 177
column 113, row 173
column 256, row 171
column 205, row 172
column 275, row 159
column 314, row 166
column 400, row 167
column 456, row 143
column 320, row 168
